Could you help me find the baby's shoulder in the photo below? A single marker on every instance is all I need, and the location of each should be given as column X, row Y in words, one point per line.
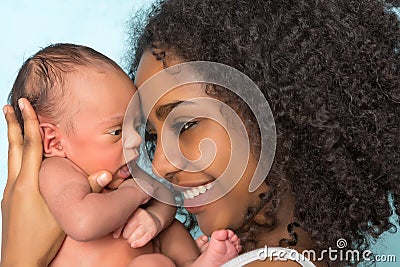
column 57, row 166
column 54, row 161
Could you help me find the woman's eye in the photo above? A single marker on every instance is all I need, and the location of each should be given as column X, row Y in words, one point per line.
column 150, row 144
column 116, row 132
column 150, row 137
column 182, row 127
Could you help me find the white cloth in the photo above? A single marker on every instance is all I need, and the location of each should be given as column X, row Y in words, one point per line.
column 261, row 254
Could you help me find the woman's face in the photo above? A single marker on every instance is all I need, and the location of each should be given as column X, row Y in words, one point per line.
column 174, row 112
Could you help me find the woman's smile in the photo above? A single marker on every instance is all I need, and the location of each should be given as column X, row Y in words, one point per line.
column 198, row 190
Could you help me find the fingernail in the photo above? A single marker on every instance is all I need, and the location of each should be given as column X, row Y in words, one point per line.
column 21, row 104
column 102, row 180
column 5, row 110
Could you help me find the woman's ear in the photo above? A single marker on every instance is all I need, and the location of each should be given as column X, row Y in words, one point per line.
column 51, row 136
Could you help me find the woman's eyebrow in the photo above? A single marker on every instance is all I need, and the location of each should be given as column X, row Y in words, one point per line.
column 163, row 111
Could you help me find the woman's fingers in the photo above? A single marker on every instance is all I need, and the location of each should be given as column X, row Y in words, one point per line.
column 15, row 141
column 32, row 147
column 25, row 216
column 99, row 180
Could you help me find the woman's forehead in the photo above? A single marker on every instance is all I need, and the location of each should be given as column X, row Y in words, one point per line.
column 161, row 90
column 148, row 66
column 182, row 93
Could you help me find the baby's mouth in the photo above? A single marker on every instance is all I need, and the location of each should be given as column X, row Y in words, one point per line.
column 123, row 172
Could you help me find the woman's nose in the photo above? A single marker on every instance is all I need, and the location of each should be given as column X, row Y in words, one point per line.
column 163, row 165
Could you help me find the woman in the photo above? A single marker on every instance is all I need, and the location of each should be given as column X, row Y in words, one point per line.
column 329, row 72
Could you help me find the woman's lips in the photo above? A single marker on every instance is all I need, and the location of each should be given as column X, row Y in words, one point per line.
column 195, row 196
column 198, row 190
column 194, row 210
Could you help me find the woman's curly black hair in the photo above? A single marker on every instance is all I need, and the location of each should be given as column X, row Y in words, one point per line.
column 330, row 72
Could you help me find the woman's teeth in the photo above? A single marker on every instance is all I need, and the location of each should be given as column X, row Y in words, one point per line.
column 195, row 191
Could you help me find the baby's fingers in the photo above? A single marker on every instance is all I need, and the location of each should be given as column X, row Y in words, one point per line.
column 139, row 218
column 140, row 237
column 130, row 228
column 118, row 231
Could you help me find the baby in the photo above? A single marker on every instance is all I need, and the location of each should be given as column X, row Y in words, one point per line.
column 80, row 97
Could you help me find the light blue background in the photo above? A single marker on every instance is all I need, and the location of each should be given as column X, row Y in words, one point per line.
column 26, row 26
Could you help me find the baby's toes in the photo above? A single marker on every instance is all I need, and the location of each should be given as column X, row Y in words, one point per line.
column 220, row 235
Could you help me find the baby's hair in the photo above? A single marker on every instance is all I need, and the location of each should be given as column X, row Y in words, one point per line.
column 330, row 72
column 42, row 78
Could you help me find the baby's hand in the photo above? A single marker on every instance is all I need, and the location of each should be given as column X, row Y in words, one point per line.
column 142, row 227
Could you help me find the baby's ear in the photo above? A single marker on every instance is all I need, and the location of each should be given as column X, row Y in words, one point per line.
column 51, row 136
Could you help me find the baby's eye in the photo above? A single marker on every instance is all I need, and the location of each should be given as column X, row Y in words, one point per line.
column 116, row 132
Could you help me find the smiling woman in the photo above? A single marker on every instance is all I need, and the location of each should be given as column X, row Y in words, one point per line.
column 100, row 24
column 329, row 72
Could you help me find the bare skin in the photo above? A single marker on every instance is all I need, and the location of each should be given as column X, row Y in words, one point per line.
column 22, row 193
column 227, row 212
column 224, row 245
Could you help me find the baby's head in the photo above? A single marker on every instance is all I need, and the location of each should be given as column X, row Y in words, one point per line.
column 80, row 97
column 43, row 78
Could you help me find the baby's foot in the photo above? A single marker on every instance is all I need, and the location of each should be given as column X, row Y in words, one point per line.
column 223, row 246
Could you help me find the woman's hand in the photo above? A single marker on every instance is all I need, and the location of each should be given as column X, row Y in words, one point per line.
column 30, row 236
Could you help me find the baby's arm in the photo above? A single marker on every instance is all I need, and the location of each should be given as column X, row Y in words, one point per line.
column 147, row 223
column 84, row 215
column 177, row 244
column 162, row 213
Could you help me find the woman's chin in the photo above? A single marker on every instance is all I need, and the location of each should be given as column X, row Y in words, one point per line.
column 209, row 224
